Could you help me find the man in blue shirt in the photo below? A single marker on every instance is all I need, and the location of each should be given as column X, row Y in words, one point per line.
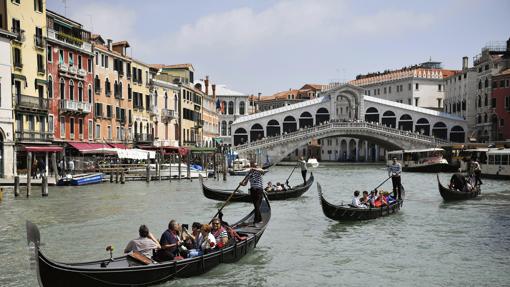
column 169, row 243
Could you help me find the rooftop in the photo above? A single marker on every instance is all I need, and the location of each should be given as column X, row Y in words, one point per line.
column 221, row 89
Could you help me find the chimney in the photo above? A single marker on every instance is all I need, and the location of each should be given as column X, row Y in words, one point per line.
column 213, row 86
column 206, row 82
column 109, row 44
column 464, row 63
column 258, row 97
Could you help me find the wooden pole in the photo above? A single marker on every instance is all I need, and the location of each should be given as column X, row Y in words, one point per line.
column 16, row 186
column 215, row 168
column 148, row 168
column 180, row 163
column 116, row 176
column 29, row 173
column 111, row 176
column 158, row 166
column 1, row 193
column 188, row 167
column 44, row 185
column 224, row 168
column 170, row 168
column 54, row 165
column 122, row 177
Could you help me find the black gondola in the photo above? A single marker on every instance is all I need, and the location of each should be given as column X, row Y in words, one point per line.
column 347, row 213
column 125, row 271
column 240, row 196
column 452, row 195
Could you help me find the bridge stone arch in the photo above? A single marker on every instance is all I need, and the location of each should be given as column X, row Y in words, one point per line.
column 389, row 119
column 289, row 124
column 305, row 120
column 422, row 126
column 372, row 115
column 240, row 136
column 405, row 123
column 256, row 132
column 457, row 134
column 440, row 130
column 273, row 128
column 321, row 116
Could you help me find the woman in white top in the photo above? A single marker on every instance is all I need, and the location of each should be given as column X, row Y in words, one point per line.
column 205, row 242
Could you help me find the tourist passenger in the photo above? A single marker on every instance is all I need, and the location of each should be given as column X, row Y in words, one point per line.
column 219, row 233
column 279, row 187
column 304, row 169
column 394, row 171
column 70, row 165
column 206, row 242
column 365, row 199
column 269, row 187
column 256, row 189
column 169, row 243
column 380, row 200
column 145, row 244
column 356, row 202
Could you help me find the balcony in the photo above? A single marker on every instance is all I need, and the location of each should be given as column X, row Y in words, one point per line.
column 31, row 103
column 20, row 35
column 18, row 65
column 41, row 70
column 32, row 136
column 168, row 115
column 69, row 40
column 39, row 41
column 82, row 72
column 144, row 138
column 153, row 110
column 73, row 70
column 63, row 68
column 67, row 106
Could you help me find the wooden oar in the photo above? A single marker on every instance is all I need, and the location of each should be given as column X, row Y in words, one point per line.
column 287, row 181
column 382, row 183
column 231, row 195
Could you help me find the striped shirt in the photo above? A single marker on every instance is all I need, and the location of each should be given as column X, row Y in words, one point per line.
column 256, row 179
column 395, row 169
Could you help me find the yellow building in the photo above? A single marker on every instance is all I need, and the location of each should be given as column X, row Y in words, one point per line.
column 144, row 108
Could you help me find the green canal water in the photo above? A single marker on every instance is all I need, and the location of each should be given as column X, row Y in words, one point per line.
column 429, row 243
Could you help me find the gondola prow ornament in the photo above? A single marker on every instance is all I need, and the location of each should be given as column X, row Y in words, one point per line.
column 110, row 249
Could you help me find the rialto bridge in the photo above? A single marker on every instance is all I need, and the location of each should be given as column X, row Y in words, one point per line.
column 344, row 111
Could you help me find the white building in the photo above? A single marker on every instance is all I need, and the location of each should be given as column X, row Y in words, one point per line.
column 460, row 95
column 7, row 164
column 420, row 85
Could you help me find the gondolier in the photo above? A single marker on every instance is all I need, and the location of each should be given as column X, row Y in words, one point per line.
column 394, row 171
column 256, row 189
column 304, row 169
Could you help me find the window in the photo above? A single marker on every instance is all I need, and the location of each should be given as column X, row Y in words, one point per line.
column 89, row 65
column 106, row 62
column 130, row 92
column 97, row 58
column 62, row 127
column 102, row 60
column 409, row 86
column 90, row 128
column 439, row 87
column 439, row 102
column 49, row 55
column 79, row 62
column 109, row 111
column 384, row 90
column 98, row 110
column 17, row 58
column 50, row 87
column 97, row 85
column 486, row 101
column 109, row 132
column 80, row 92
column 60, row 56
column 416, row 86
column 98, row 131
column 107, row 87
column 50, row 124
column 71, row 59
column 389, row 90
column 507, row 103
column 38, row 5
column 40, row 63
column 90, row 94
column 62, row 89
column 71, row 90
column 71, row 127
column 493, row 103
column 416, row 100
column 80, row 128
column 118, row 133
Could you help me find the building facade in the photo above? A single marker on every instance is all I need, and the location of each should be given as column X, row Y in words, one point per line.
column 111, row 85
column 501, row 96
column 7, row 153
column 493, row 59
column 145, row 110
column 420, row 85
column 460, row 95
column 307, row 92
column 167, row 102
column 70, row 80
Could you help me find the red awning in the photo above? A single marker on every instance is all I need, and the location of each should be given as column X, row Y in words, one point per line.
column 48, row 148
column 88, row 146
column 118, row 145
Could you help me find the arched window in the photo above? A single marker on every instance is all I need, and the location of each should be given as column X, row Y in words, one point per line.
column 485, row 118
column 90, row 94
column 422, row 126
column 405, row 123
column 80, row 92
column 240, row 136
column 224, row 128
column 120, row 90
column 166, row 100
column 62, row 89
column 107, row 87
column 479, row 101
column 50, row 87
column 289, row 124
column 241, row 107
column 71, row 90
column 457, row 134
column 229, row 128
column 305, row 120
column 230, row 108
column 439, row 130
column 223, row 107
column 256, row 132
column 273, row 128
column 486, row 100
column 372, row 115
column 486, row 83
column 321, row 116
column 480, row 84
column 97, row 84
column 115, row 89
column 389, row 119
column 130, row 92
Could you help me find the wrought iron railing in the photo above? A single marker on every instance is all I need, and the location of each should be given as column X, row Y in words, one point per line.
column 24, row 101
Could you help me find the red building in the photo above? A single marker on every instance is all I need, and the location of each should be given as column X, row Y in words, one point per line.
column 70, row 80
column 501, row 96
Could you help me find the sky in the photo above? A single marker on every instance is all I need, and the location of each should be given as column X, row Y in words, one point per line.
column 270, row 46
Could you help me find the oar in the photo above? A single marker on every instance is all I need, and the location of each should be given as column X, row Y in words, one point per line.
column 287, row 181
column 382, row 183
column 231, row 195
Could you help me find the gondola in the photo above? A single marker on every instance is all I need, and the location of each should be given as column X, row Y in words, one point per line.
column 452, row 195
column 347, row 213
column 126, row 271
column 222, row 194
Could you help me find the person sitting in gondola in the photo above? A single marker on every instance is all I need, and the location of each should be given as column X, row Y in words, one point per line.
column 145, row 244
column 380, row 200
column 365, row 199
column 356, row 202
column 457, row 182
column 282, row 185
column 191, row 239
column 219, row 233
column 169, row 243
column 372, row 197
column 206, row 242
column 269, row 187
